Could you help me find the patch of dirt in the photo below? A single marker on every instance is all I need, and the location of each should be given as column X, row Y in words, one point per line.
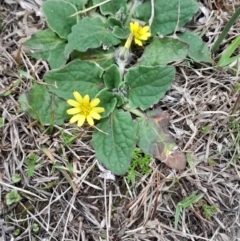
column 200, row 104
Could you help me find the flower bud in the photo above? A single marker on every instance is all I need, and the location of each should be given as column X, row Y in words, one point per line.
column 123, row 56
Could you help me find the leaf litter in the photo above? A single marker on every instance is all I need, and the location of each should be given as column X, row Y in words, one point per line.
column 199, row 104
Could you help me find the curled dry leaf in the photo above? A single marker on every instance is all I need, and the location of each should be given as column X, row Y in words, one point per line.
column 155, row 140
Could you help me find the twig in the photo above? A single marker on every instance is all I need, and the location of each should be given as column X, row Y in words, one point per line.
column 90, row 8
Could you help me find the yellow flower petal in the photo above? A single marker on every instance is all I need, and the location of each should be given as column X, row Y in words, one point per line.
column 73, row 111
column 73, row 103
column 95, row 115
column 138, row 42
column 86, row 99
column 98, row 109
column 90, row 120
column 139, row 33
column 145, row 35
column 77, row 96
column 136, row 25
column 94, row 102
column 132, row 28
column 81, row 120
column 75, row 118
column 144, row 30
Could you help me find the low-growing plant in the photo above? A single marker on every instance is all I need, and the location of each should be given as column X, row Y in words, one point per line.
column 31, row 161
column 1, row 122
column 185, row 203
column 16, row 232
column 139, row 166
column 67, row 139
column 208, row 210
column 35, row 228
column 12, row 197
column 113, row 58
column 16, row 178
column 227, row 58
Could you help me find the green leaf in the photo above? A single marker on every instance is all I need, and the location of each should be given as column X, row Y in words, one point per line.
column 155, row 140
column 185, row 203
column 121, row 33
column 12, row 197
column 162, row 51
column 79, row 4
column 148, row 84
column 35, row 228
column 104, row 58
column 198, row 49
column 168, row 15
column 42, row 42
column 117, row 8
column 44, row 106
column 114, row 147
column 90, row 33
column 119, row 30
column 112, row 22
column 56, row 56
column 48, row 46
column 112, row 77
column 1, row 122
column 31, row 162
column 16, row 178
column 58, row 16
column 81, row 76
column 108, row 101
column 226, row 58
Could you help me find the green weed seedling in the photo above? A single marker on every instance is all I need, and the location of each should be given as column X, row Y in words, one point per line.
column 35, row 228
column 12, row 197
column 185, row 203
column 31, row 163
column 211, row 163
column 16, row 178
column 66, row 171
column 208, row 210
column 1, row 122
column 67, row 139
column 226, row 58
column 138, row 167
column 16, row 232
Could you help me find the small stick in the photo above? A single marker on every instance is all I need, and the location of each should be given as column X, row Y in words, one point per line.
column 90, row 8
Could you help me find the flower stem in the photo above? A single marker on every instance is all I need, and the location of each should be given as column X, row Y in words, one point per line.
column 129, row 41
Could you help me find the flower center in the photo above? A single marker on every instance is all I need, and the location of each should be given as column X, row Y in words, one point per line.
column 85, row 109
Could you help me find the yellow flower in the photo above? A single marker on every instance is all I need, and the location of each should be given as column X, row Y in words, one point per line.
column 84, row 109
column 139, row 33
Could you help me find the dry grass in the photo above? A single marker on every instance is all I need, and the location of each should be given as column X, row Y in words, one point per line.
column 88, row 207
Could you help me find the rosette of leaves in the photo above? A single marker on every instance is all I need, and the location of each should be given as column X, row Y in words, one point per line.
column 80, row 44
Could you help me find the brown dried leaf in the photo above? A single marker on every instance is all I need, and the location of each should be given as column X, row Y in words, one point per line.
column 155, row 140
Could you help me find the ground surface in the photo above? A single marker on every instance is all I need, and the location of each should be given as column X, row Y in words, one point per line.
column 200, row 103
